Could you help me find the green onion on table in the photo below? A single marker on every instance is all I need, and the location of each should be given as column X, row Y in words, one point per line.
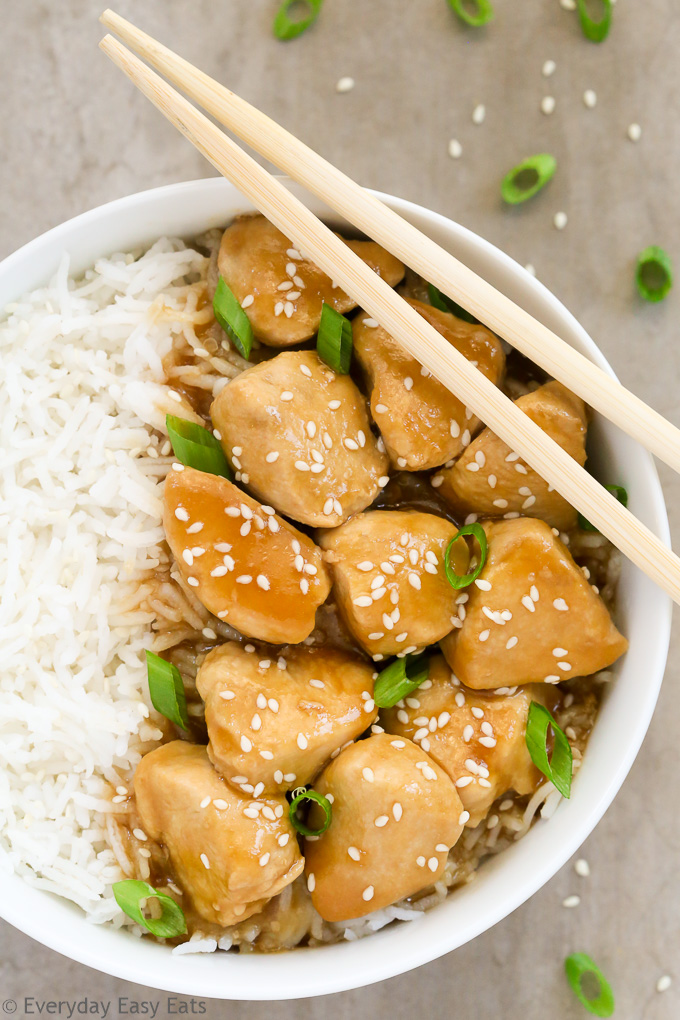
column 654, row 273
column 286, row 27
column 528, row 178
column 580, row 967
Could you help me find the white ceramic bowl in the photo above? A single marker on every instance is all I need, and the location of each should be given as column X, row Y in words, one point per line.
column 505, row 881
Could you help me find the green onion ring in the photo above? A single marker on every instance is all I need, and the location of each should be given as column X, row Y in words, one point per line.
column 167, row 690
column 196, row 447
column 130, row 893
column 482, row 8
column 334, row 340
column 654, row 273
column 616, row 490
column 596, row 31
column 527, row 178
column 558, row 768
column 286, row 27
column 447, row 304
column 233, row 319
column 400, row 679
column 577, row 966
column 316, row 798
column 464, row 580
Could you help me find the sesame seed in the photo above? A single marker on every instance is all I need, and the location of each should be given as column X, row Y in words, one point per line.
column 381, row 821
column 175, row 467
column 311, row 882
column 560, row 220
column 205, row 862
column 227, row 695
column 549, row 68
column 243, row 579
column 181, row 514
column 246, row 744
column 433, row 863
column 664, row 983
column 221, row 805
column 455, row 149
column 334, row 404
column 560, row 605
column 353, row 853
column 484, row 585
column 302, row 741
column 283, row 839
column 582, row 868
column 479, row 114
column 589, row 98
column 511, row 642
column 368, row 774
column 193, row 581
column 571, row 901
column 204, row 803
column 414, row 581
column 634, row 132
column 464, row 816
column 344, row 85
column 548, row 105
column 420, row 861
column 367, row 894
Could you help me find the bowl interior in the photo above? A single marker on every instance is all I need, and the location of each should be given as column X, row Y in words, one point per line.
column 508, row 879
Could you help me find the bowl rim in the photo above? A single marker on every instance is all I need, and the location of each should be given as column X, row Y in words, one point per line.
column 390, row 951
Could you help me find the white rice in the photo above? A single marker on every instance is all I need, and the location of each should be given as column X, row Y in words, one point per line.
column 79, row 526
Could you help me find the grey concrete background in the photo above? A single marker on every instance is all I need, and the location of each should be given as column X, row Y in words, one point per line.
column 74, row 133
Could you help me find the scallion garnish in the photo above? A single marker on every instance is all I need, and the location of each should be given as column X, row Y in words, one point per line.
column 315, row 798
column 286, row 27
column 579, row 966
column 616, row 490
column 654, row 273
column 334, row 340
column 131, row 893
column 167, row 690
column 447, row 304
column 528, row 177
column 596, row 31
column 558, row 768
column 399, row 679
column 196, row 447
column 232, row 318
column 480, row 14
column 464, row 580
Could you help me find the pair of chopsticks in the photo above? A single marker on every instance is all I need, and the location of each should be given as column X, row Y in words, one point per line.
column 417, row 336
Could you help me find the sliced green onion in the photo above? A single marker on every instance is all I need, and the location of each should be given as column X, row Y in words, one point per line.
column 286, row 27
column 616, row 490
column 447, row 304
column 232, row 318
column 654, row 273
column 196, row 447
column 527, row 178
column 558, row 768
column 596, row 31
column 473, row 12
column 464, row 580
column 399, row 679
column 579, row 966
column 167, row 690
column 315, row 798
column 334, row 340
column 131, row 893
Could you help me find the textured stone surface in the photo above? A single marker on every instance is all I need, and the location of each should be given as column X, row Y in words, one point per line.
column 75, row 134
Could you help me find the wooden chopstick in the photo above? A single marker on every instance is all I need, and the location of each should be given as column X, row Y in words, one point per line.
column 416, row 335
column 418, row 251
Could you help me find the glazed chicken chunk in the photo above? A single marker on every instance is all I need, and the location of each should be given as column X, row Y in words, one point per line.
column 389, row 579
column 478, row 737
column 280, row 290
column 534, row 618
column 490, row 480
column 396, row 814
column 274, row 722
column 300, row 437
column 246, row 565
column 421, row 421
column 230, row 854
